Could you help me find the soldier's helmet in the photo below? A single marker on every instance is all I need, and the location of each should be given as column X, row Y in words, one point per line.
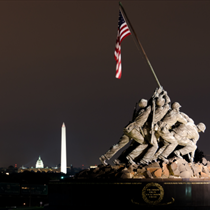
column 175, row 105
column 142, row 103
column 160, row 101
column 201, row 127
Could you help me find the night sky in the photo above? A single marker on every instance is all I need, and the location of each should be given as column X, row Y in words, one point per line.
column 57, row 65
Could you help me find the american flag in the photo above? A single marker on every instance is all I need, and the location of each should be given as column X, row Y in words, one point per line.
column 122, row 32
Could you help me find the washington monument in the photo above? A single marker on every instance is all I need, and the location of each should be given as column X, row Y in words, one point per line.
column 63, row 150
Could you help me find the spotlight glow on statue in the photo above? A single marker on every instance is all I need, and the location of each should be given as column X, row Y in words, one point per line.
column 63, row 150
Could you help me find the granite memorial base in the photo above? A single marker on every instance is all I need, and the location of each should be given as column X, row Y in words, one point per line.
column 174, row 193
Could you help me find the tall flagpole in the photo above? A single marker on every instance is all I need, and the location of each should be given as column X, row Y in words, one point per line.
column 131, row 28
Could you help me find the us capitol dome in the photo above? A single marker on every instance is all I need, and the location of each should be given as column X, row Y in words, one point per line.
column 39, row 163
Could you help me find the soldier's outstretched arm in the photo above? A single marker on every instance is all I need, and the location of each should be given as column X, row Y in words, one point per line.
column 168, row 100
column 157, row 92
column 160, row 89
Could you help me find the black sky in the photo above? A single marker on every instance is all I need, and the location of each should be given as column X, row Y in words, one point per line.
column 57, row 65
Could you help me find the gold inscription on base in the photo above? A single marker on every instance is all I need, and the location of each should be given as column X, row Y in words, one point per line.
column 152, row 193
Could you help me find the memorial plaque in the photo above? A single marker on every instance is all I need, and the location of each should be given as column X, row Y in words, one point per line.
column 152, row 193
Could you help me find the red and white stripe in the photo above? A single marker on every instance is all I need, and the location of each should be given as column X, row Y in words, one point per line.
column 122, row 32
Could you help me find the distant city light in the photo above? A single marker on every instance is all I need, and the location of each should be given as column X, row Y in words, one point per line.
column 7, row 173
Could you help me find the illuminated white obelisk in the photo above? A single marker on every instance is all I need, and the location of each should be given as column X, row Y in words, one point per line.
column 63, row 150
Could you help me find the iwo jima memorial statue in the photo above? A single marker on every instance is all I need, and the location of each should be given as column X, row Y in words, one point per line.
column 162, row 144
column 162, row 138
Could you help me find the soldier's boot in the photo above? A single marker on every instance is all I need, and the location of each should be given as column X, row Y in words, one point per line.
column 143, row 162
column 177, row 153
column 155, row 158
column 130, row 160
column 103, row 160
column 163, row 158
